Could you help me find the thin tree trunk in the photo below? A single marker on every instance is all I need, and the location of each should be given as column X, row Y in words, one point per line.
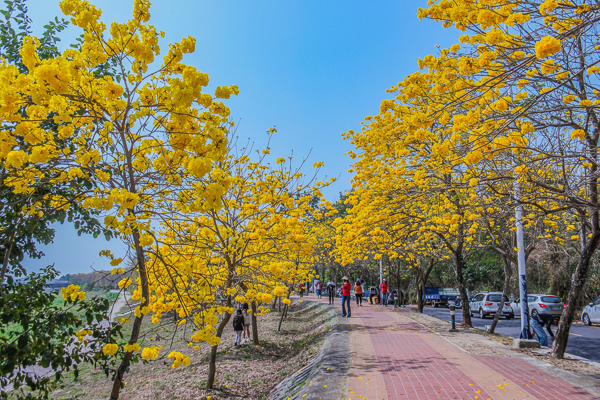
column 507, row 274
column 212, row 363
column 420, row 299
column 579, row 277
column 460, row 280
column 137, row 323
column 7, row 257
column 254, row 323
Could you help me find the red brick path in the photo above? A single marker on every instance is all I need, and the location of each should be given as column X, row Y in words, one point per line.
column 536, row 382
column 397, row 358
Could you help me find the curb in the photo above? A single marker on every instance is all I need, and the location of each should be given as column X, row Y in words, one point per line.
column 325, row 376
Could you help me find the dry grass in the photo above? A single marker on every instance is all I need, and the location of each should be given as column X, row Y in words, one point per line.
column 248, row 372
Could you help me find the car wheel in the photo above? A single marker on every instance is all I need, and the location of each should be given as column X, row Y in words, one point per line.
column 510, row 316
column 534, row 312
column 586, row 319
column 481, row 313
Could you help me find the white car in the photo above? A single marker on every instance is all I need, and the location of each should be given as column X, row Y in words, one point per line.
column 540, row 304
column 591, row 312
column 486, row 303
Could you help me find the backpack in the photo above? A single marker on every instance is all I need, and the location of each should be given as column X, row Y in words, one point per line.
column 238, row 323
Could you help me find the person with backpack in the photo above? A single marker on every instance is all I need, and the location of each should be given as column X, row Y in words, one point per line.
column 384, row 292
column 331, row 291
column 358, row 292
column 318, row 288
column 238, row 327
column 346, row 288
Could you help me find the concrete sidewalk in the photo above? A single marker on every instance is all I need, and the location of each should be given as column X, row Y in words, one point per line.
column 395, row 357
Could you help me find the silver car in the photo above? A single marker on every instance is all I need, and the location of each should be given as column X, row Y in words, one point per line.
column 486, row 304
column 591, row 312
column 540, row 304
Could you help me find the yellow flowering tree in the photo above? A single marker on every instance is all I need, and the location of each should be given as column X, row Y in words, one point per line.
column 538, row 60
column 233, row 246
column 140, row 133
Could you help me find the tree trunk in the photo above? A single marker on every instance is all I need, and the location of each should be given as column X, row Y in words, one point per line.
column 579, row 278
column 420, row 299
column 137, row 323
column 282, row 316
column 460, row 280
column 7, row 257
column 507, row 274
column 212, row 363
column 254, row 323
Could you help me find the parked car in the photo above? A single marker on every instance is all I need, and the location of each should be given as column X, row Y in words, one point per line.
column 540, row 304
column 591, row 312
column 487, row 303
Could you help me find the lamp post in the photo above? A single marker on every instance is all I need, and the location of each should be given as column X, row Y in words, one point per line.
column 525, row 330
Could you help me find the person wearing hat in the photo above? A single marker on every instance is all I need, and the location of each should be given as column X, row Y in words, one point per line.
column 346, row 287
column 384, row 292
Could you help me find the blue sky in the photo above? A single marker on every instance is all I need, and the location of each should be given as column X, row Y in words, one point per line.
column 313, row 69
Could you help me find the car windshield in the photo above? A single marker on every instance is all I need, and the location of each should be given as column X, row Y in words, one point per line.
column 494, row 297
column 551, row 299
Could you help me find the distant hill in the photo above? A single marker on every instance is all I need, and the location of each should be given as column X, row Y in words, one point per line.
column 94, row 280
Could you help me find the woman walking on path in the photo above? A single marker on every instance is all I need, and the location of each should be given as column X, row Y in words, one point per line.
column 346, row 288
column 331, row 291
column 358, row 292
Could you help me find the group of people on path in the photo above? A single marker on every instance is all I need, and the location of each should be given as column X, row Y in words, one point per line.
column 359, row 293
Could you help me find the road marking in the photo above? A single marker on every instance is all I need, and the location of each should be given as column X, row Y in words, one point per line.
column 574, row 334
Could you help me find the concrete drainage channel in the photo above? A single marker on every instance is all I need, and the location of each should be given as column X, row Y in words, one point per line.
column 325, row 376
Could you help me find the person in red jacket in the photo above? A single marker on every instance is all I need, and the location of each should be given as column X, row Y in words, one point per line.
column 384, row 292
column 346, row 287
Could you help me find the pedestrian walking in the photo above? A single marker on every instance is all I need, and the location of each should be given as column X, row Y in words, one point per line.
column 301, row 289
column 538, row 322
column 358, row 292
column 238, row 327
column 384, row 292
column 318, row 288
column 362, row 284
column 346, row 288
column 331, row 291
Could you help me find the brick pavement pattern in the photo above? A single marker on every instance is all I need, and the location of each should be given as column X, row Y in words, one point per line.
column 397, row 358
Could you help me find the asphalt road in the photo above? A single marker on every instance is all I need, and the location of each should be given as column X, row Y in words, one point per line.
column 583, row 340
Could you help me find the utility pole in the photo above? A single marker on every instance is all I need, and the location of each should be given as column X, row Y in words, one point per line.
column 381, row 270
column 525, row 331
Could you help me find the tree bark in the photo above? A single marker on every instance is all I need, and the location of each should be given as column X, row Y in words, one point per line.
column 255, row 323
column 579, row 277
column 7, row 258
column 137, row 323
column 420, row 299
column 212, row 363
column 507, row 274
column 460, row 280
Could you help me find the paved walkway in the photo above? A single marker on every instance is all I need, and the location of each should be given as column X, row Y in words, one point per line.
column 397, row 358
